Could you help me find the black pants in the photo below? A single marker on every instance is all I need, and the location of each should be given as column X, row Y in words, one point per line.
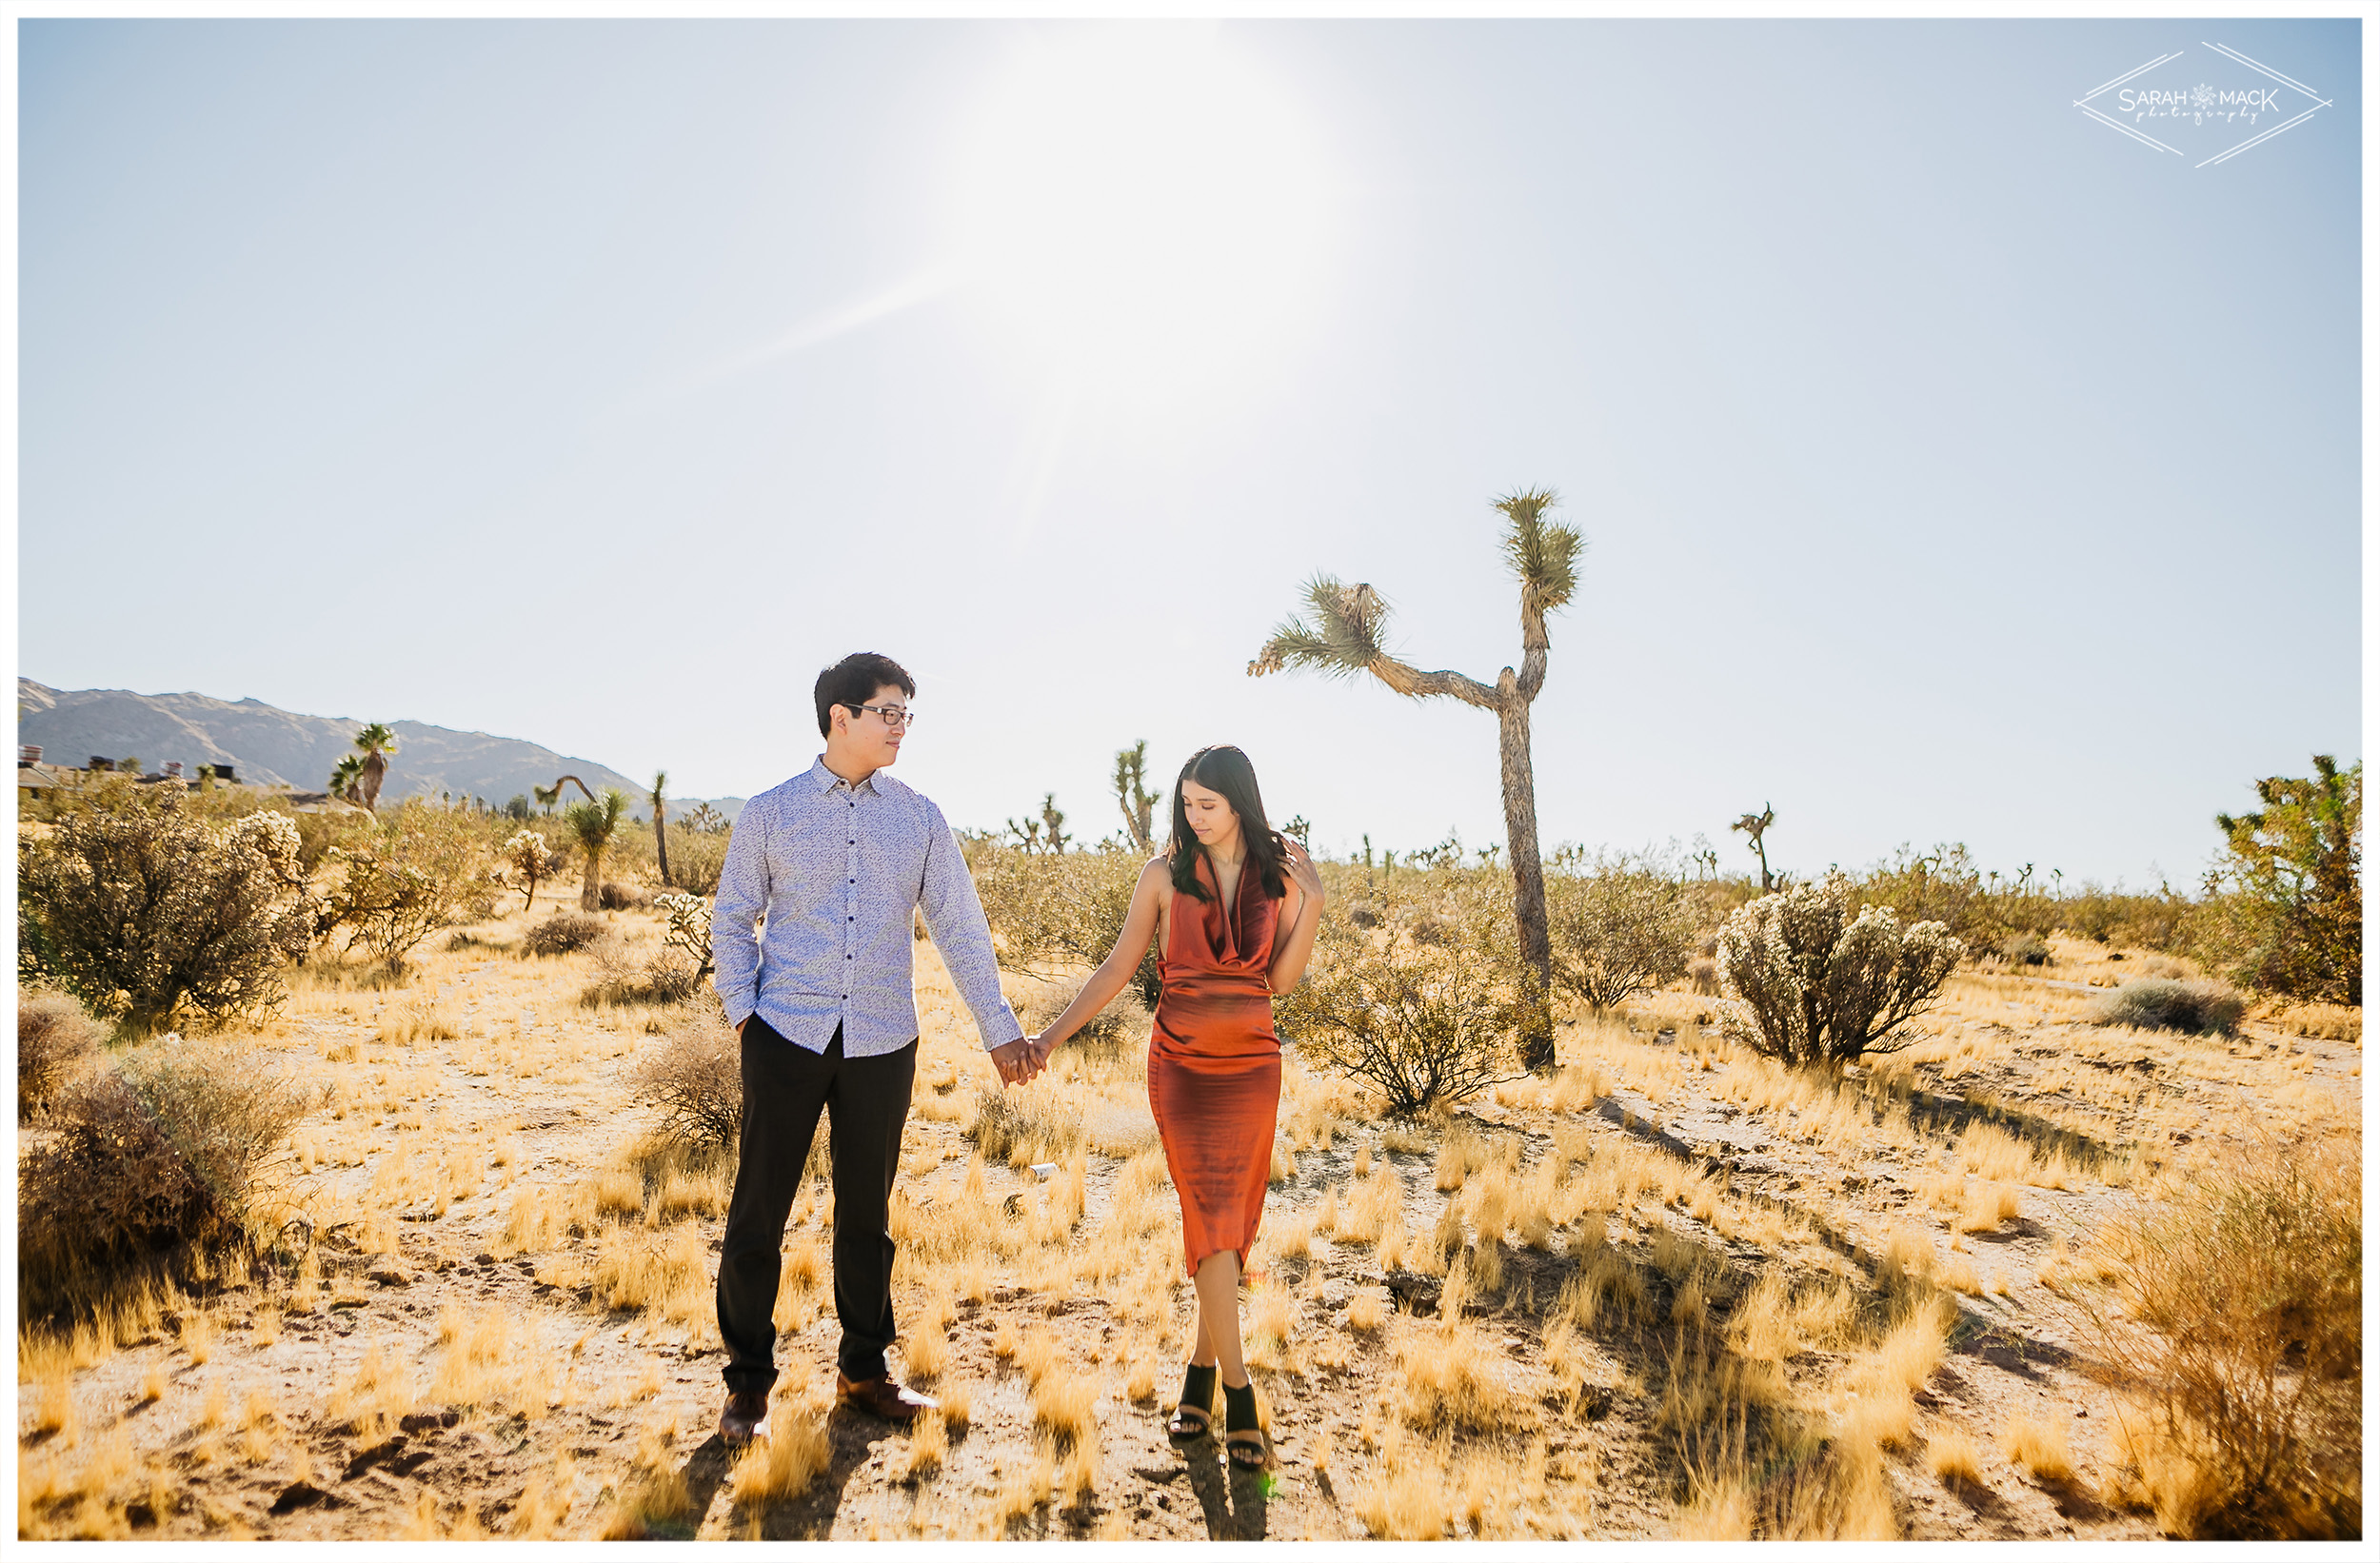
column 785, row 1087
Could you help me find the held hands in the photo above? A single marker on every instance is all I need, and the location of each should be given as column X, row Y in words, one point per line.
column 1022, row 1059
column 1015, row 1062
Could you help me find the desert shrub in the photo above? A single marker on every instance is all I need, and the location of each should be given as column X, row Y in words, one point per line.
column 1619, row 925
column 54, row 1043
column 2025, row 950
column 524, row 857
column 1021, row 1126
column 1057, row 906
column 163, row 1149
column 2159, row 922
column 319, row 833
column 694, row 1078
column 143, row 912
column 2284, row 911
column 1818, row 984
column 2165, row 1003
column 563, row 933
column 1981, row 907
column 418, row 870
column 2240, row 1329
column 695, row 859
column 619, row 978
column 689, row 934
column 1423, row 1024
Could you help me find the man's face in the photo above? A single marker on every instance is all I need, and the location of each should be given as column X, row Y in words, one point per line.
column 867, row 738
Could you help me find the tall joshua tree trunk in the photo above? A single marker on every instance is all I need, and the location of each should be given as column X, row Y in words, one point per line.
column 591, row 888
column 1520, row 832
column 1346, row 637
column 661, row 825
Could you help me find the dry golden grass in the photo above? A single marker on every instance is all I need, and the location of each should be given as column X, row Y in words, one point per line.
column 546, row 1500
column 381, row 1387
column 1448, row 1373
column 477, row 1362
column 1873, row 1395
column 654, row 1500
column 1454, row 1448
column 2039, row 1444
column 667, row 1274
column 1989, row 1206
column 1777, row 1318
column 1951, row 1457
column 1404, row 1495
column 929, row 1445
column 785, row 1464
column 2333, row 1022
column 924, row 1352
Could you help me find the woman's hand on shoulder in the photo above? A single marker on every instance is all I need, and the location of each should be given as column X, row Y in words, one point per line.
column 1299, row 862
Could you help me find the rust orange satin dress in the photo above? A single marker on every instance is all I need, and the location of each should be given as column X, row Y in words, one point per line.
column 1215, row 1062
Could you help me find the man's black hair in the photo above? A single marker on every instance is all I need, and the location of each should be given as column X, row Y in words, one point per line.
column 854, row 681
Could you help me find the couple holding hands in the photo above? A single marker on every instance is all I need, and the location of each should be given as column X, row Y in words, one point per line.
column 829, row 865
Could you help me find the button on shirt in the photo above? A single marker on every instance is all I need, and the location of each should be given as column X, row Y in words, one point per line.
column 834, row 869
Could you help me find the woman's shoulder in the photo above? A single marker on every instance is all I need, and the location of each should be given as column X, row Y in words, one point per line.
column 1159, row 871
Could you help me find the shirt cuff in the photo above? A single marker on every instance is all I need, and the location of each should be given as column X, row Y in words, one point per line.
column 1013, row 1031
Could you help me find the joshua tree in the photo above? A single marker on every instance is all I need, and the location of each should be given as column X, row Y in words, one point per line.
column 345, row 776
column 661, row 825
column 1754, row 825
column 593, row 825
column 378, row 743
column 550, row 796
column 2297, row 924
column 1346, row 639
column 1046, row 834
column 1133, row 796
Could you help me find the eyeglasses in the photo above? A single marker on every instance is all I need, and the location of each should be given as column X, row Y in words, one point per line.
column 895, row 716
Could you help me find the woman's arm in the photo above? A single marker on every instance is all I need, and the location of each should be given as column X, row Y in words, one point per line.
column 1291, row 954
column 1139, row 930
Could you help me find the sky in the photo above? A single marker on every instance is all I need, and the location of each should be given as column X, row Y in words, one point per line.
column 1951, row 464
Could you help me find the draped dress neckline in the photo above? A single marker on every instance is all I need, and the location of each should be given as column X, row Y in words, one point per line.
column 1220, row 930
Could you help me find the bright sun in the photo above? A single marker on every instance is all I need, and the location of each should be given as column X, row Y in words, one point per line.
column 1141, row 207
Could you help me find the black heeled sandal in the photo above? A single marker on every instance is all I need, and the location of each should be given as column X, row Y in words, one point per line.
column 1197, row 1401
column 1244, row 1441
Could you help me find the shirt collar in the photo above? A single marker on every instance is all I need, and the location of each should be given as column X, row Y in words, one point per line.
column 825, row 781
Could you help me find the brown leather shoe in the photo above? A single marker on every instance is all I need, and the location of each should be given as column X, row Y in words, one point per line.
column 883, row 1397
column 746, row 1418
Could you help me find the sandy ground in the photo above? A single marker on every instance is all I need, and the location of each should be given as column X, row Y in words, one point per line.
column 327, row 1399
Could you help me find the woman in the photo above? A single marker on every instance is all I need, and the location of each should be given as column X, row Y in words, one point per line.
column 1234, row 908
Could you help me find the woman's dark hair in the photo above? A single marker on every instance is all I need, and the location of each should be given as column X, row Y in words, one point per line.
column 1220, row 767
column 852, row 680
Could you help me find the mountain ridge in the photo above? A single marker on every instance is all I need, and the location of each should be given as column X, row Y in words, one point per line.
column 268, row 746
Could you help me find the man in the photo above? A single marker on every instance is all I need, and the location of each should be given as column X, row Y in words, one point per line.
column 834, row 861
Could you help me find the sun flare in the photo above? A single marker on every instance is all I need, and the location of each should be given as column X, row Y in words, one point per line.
column 1139, row 206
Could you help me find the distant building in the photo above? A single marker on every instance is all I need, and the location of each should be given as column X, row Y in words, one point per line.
column 36, row 780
